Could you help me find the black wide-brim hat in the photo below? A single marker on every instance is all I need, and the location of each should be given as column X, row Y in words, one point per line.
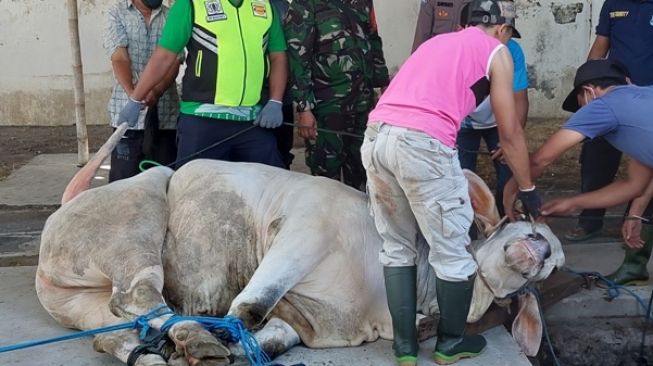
column 593, row 70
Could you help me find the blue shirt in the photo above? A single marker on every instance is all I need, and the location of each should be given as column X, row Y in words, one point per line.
column 483, row 117
column 623, row 117
column 629, row 26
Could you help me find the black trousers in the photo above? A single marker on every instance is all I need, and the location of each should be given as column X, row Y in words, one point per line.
column 195, row 133
column 137, row 145
column 599, row 162
column 284, row 136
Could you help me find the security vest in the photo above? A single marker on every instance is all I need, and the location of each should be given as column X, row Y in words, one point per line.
column 226, row 60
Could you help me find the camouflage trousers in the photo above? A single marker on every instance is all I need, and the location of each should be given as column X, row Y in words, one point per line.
column 338, row 156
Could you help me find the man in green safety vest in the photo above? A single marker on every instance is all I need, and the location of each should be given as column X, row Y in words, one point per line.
column 233, row 45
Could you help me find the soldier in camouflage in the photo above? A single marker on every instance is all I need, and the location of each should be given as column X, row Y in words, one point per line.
column 336, row 60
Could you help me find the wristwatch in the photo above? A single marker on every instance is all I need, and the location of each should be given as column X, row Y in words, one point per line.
column 304, row 106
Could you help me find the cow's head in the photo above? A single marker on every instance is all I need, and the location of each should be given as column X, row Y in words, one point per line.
column 510, row 258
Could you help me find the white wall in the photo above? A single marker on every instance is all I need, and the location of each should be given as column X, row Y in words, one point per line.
column 36, row 86
column 36, row 74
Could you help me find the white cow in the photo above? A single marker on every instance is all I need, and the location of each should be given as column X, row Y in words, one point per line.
column 296, row 253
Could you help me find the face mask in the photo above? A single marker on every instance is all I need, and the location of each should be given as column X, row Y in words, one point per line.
column 152, row 4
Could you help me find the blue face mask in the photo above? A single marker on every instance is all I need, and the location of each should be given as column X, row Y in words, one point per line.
column 152, row 4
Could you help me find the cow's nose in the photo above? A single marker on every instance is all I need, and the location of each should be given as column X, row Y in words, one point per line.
column 547, row 254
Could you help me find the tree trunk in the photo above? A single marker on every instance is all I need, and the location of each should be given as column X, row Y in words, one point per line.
column 78, row 77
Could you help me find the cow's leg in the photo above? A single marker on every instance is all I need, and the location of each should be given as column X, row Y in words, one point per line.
column 142, row 294
column 275, row 338
column 89, row 305
column 290, row 258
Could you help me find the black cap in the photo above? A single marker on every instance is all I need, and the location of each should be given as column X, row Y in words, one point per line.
column 493, row 12
column 593, row 70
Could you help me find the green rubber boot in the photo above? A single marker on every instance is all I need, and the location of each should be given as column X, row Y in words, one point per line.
column 454, row 300
column 632, row 271
column 401, row 290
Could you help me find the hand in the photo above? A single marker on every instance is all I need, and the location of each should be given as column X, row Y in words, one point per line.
column 497, row 154
column 271, row 115
column 561, row 206
column 509, row 198
column 307, row 124
column 151, row 99
column 130, row 112
column 631, row 232
column 531, row 202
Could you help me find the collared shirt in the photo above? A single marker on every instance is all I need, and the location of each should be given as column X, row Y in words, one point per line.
column 623, row 117
column 629, row 26
column 126, row 28
column 437, row 17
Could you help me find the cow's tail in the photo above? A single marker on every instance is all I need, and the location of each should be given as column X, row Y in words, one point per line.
column 82, row 180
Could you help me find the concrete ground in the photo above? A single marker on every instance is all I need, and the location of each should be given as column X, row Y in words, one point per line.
column 33, row 192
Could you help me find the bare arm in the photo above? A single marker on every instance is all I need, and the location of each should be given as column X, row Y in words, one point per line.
column 550, row 151
column 278, row 74
column 635, row 184
column 156, row 69
column 599, row 48
column 167, row 80
column 631, row 230
column 122, row 68
column 521, row 104
column 639, row 204
column 510, row 130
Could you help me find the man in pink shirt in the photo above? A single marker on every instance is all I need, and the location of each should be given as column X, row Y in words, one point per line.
column 414, row 176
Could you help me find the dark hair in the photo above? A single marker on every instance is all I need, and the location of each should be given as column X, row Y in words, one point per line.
column 606, row 82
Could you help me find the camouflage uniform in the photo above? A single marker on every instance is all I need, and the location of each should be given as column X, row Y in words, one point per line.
column 336, row 60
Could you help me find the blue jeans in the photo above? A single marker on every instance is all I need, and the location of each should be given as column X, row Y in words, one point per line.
column 469, row 141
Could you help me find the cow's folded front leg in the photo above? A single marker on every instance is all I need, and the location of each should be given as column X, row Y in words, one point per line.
column 283, row 266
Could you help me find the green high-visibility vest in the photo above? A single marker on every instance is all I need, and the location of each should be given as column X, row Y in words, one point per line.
column 226, row 61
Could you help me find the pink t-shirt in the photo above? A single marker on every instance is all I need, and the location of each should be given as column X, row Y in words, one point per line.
column 440, row 84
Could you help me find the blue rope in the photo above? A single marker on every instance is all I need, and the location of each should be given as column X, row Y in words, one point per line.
column 235, row 329
column 139, row 323
column 613, row 289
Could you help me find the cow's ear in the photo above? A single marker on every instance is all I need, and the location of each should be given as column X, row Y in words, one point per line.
column 527, row 326
column 485, row 209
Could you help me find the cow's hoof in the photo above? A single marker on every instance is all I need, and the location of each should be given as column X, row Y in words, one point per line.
column 150, row 360
column 252, row 314
column 178, row 359
column 205, row 346
column 198, row 346
column 213, row 362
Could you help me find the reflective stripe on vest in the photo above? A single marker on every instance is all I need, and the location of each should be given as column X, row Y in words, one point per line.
column 226, row 53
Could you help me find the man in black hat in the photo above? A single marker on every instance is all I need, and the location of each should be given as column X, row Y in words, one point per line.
column 607, row 106
column 624, row 33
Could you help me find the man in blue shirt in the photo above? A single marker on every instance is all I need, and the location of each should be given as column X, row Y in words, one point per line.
column 607, row 106
column 624, row 34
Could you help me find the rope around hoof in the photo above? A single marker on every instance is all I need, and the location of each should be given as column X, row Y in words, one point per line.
column 233, row 328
